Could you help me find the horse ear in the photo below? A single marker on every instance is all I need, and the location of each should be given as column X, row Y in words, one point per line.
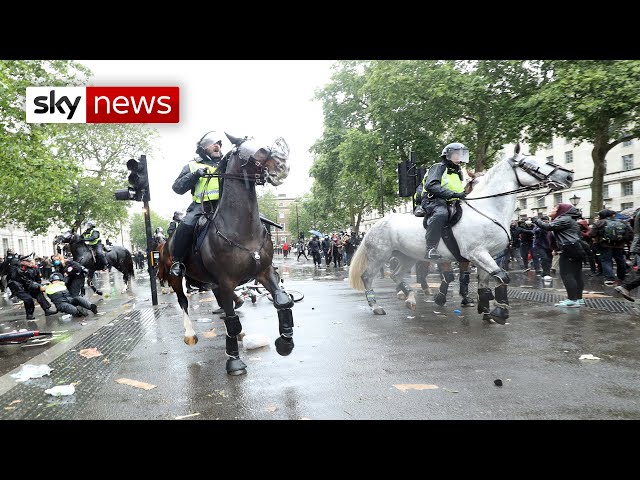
column 234, row 140
column 517, row 149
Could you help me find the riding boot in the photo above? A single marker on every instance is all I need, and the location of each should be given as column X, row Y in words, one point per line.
column 184, row 237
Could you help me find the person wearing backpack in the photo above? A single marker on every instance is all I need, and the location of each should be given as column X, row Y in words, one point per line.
column 634, row 282
column 611, row 235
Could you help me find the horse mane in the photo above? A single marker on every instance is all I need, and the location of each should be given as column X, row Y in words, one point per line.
column 486, row 177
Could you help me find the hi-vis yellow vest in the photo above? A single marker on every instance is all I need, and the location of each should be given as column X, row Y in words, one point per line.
column 92, row 242
column 212, row 185
column 450, row 181
column 55, row 288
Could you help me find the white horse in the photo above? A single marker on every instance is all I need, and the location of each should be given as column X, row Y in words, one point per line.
column 481, row 233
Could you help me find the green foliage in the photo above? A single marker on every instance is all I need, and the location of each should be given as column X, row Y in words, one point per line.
column 596, row 101
column 137, row 229
column 268, row 205
column 386, row 109
column 41, row 164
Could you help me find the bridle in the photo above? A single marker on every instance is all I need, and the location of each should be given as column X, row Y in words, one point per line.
column 535, row 172
column 532, row 170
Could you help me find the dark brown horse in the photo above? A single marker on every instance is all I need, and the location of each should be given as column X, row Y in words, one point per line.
column 237, row 247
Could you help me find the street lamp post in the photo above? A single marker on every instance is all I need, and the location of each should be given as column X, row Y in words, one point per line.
column 380, row 163
column 575, row 200
column 297, row 220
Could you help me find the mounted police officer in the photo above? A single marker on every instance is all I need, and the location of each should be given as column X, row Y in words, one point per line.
column 442, row 185
column 92, row 239
column 177, row 219
column 205, row 192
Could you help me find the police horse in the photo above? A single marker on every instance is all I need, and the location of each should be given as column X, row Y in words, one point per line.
column 236, row 247
column 481, row 233
column 119, row 258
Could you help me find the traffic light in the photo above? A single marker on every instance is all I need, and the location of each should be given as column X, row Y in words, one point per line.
column 139, row 181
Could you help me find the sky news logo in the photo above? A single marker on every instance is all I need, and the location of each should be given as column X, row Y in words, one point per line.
column 103, row 104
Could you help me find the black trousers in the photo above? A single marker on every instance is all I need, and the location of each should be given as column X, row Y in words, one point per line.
column 434, row 223
column 571, row 275
column 27, row 297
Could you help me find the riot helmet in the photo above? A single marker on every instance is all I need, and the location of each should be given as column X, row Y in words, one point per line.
column 455, row 151
column 90, row 224
column 56, row 276
column 208, row 139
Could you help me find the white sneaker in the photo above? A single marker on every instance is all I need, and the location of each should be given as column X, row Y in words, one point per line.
column 547, row 278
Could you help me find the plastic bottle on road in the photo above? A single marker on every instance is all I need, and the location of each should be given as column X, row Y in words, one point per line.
column 61, row 390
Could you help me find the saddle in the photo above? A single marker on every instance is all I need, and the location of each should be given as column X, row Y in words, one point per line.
column 455, row 214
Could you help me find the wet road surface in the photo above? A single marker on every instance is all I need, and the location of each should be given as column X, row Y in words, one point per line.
column 350, row 364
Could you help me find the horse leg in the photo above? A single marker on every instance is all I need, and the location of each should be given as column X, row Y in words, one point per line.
column 447, row 276
column 190, row 337
column 465, row 277
column 422, row 270
column 90, row 283
column 484, row 294
column 283, row 303
column 403, row 267
column 500, row 312
column 233, row 327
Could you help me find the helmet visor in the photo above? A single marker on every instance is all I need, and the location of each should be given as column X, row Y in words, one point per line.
column 461, row 154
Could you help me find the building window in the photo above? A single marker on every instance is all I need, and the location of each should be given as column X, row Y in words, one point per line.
column 624, row 206
column 284, row 227
column 627, row 188
column 557, row 198
column 523, row 203
column 605, row 191
column 281, row 215
column 21, row 247
column 281, row 204
column 5, row 246
column 627, row 162
column 44, row 248
column 568, row 156
column 627, row 143
column 541, row 202
column 550, row 158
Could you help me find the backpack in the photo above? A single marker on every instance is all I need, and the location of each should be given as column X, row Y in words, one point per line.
column 616, row 231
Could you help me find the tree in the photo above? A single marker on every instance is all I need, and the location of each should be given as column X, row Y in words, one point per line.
column 60, row 174
column 596, row 101
column 268, row 205
column 29, row 168
column 100, row 153
column 137, row 230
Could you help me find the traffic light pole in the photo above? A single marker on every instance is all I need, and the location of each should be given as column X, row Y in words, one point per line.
column 152, row 273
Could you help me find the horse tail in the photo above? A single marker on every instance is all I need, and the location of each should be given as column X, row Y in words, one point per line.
column 358, row 265
column 128, row 264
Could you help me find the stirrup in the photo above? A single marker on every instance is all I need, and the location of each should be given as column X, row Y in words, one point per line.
column 177, row 269
column 432, row 254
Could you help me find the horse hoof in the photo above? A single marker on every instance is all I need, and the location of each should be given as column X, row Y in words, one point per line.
column 500, row 315
column 379, row 311
column 191, row 340
column 440, row 299
column 401, row 295
column 284, row 346
column 236, row 366
column 410, row 305
column 238, row 303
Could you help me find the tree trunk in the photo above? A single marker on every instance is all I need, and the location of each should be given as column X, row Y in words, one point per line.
column 598, row 154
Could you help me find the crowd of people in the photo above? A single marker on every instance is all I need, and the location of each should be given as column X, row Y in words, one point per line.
column 57, row 279
column 336, row 248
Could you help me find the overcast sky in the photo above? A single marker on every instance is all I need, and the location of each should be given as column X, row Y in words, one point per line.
column 265, row 99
